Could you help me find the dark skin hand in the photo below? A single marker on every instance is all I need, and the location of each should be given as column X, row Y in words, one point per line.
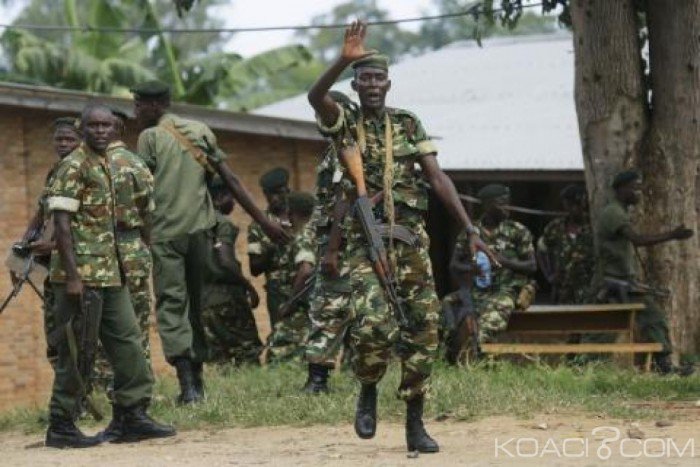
column 494, row 214
column 304, row 271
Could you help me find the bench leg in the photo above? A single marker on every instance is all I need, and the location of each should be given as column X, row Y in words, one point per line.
column 647, row 363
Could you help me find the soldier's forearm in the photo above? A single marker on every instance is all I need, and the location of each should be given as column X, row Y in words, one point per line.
column 447, row 193
column 64, row 244
column 241, row 194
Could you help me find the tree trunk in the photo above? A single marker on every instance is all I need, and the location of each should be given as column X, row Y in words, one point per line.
column 670, row 158
column 609, row 89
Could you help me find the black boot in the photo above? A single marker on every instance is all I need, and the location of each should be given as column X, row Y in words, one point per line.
column 317, row 381
column 185, row 376
column 63, row 433
column 417, row 438
column 136, row 425
column 663, row 366
column 198, row 378
column 366, row 413
column 114, row 429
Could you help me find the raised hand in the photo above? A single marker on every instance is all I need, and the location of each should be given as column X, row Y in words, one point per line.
column 354, row 42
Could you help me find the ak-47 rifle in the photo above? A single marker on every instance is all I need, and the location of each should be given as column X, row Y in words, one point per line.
column 462, row 318
column 300, row 294
column 23, row 265
column 352, row 160
column 621, row 290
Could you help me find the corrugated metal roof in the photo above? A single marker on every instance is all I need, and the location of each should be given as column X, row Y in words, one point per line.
column 506, row 106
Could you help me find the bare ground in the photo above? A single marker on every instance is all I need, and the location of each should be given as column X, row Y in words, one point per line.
column 462, row 443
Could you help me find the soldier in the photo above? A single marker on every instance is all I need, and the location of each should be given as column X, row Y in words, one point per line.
column 288, row 338
column 81, row 199
column 266, row 257
column 616, row 274
column 565, row 251
column 375, row 330
column 511, row 283
column 228, row 298
column 182, row 154
column 133, row 186
column 66, row 138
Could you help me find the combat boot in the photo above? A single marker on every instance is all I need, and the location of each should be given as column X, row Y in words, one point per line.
column 114, row 429
column 185, row 376
column 417, row 439
column 62, row 433
column 136, row 425
column 366, row 412
column 317, row 382
column 198, row 378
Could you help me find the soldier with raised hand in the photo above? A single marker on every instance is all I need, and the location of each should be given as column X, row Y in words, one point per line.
column 182, row 155
column 512, row 244
column 266, row 257
column 392, row 142
column 82, row 199
column 133, row 187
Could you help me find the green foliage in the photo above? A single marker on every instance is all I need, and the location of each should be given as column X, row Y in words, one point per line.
column 253, row 396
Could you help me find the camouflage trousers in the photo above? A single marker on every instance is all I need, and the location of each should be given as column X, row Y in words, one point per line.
column 375, row 331
column 140, row 294
column 331, row 314
column 288, row 338
column 494, row 308
column 230, row 332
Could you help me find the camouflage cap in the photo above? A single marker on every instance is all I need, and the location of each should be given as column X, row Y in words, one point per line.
column 301, row 203
column 275, row 178
column 625, row 177
column 72, row 122
column 152, row 88
column 492, row 191
column 373, row 61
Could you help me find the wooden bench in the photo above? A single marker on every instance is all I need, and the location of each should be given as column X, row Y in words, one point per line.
column 565, row 320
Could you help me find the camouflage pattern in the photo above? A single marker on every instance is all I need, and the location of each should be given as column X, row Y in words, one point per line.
column 231, row 334
column 83, row 187
column 133, row 186
column 495, row 303
column 278, row 279
column 289, row 336
column 574, row 259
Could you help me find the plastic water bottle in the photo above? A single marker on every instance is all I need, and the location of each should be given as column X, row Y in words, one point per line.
column 483, row 270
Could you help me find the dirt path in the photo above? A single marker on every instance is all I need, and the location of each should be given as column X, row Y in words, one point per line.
column 461, row 443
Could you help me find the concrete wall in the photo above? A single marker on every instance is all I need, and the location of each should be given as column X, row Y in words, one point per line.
column 26, row 157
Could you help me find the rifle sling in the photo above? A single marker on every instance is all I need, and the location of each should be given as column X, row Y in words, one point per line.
column 196, row 153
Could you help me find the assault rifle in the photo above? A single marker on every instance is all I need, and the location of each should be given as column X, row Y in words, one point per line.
column 462, row 320
column 352, row 160
column 25, row 268
column 622, row 289
column 305, row 290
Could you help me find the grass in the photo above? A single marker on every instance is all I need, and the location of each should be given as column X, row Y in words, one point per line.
column 253, row 396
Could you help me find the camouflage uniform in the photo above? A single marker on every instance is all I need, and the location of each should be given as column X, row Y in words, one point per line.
column 495, row 303
column 289, row 336
column 278, row 283
column 83, row 187
column 330, row 309
column 133, row 186
column 375, row 331
column 229, row 325
column 574, row 259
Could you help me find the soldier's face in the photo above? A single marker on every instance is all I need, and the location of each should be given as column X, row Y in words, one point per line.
column 224, row 202
column 65, row 140
column 277, row 199
column 631, row 193
column 98, row 128
column 371, row 85
column 148, row 111
column 496, row 208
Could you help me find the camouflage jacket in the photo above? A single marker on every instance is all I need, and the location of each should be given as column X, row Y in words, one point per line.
column 410, row 142
column 83, row 186
column 133, row 186
column 512, row 240
column 278, row 275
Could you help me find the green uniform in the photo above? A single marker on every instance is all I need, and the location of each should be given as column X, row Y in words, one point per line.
column 133, row 186
column 616, row 259
column 495, row 303
column 574, row 259
column 278, row 278
column 83, row 186
column 289, row 336
column 330, row 310
column 228, row 321
column 184, row 214
column 375, row 330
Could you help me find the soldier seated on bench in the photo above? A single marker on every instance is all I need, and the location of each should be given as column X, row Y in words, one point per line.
column 616, row 274
column 510, row 285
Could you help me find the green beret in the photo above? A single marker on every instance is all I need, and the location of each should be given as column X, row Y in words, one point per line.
column 72, row 122
column 494, row 190
column 373, row 61
column 119, row 114
column 625, row 177
column 153, row 88
column 275, row 178
column 301, row 203
column 573, row 193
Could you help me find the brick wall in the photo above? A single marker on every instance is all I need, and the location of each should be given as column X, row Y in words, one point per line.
column 25, row 377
